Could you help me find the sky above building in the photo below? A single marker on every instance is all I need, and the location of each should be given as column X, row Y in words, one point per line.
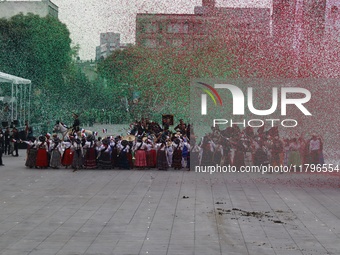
column 86, row 19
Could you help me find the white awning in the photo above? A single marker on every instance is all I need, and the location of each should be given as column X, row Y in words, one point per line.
column 5, row 77
column 20, row 98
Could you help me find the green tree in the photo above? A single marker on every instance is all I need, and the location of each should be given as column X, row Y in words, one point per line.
column 39, row 49
column 162, row 77
column 35, row 48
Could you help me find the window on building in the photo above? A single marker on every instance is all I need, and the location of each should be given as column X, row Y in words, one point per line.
column 150, row 43
column 175, row 28
column 150, row 27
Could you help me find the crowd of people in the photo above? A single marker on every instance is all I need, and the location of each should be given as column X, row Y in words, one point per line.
column 89, row 152
column 150, row 145
column 236, row 147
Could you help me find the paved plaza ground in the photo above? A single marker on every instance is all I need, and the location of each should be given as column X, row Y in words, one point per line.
column 175, row 212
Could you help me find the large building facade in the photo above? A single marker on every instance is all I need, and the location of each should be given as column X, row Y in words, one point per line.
column 42, row 8
column 190, row 31
column 296, row 38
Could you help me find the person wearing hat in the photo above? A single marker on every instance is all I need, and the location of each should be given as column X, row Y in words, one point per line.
column 90, row 153
column 162, row 161
column 55, row 152
column 15, row 139
column 104, row 155
column 76, row 123
column 42, row 159
column 124, row 149
column 177, row 146
column 7, row 137
column 114, row 151
column 77, row 149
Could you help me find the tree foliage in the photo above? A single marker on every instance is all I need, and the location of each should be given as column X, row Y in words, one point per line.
column 36, row 48
column 162, row 77
column 133, row 83
column 39, row 49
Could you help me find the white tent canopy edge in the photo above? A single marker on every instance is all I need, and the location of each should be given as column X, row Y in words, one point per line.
column 5, row 77
column 15, row 81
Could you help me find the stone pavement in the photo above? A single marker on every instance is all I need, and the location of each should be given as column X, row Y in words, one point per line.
column 45, row 212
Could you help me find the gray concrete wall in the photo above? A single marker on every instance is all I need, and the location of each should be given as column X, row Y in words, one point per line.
column 41, row 8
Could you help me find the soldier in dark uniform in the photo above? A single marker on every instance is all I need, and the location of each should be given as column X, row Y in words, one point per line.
column 2, row 139
column 76, row 123
column 2, row 144
column 16, row 139
column 7, row 148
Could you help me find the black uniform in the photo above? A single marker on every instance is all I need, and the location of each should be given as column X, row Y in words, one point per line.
column 7, row 148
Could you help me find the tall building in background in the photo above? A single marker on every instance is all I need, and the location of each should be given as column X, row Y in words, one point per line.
column 294, row 38
column 109, row 42
column 42, row 8
column 186, row 31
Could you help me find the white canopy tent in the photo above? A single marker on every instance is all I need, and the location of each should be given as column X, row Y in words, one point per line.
column 20, row 96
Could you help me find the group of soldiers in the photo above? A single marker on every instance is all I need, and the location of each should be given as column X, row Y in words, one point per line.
column 10, row 139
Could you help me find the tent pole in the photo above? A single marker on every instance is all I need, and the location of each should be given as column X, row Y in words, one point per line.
column 12, row 103
column 25, row 103
column 20, row 113
column 29, row 103
column 16, row 101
